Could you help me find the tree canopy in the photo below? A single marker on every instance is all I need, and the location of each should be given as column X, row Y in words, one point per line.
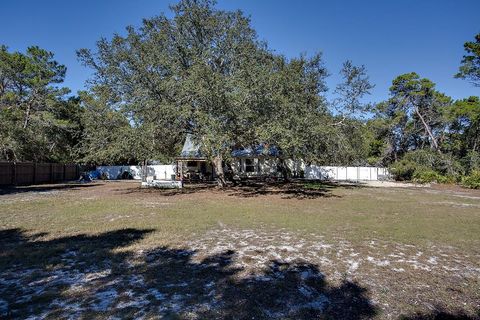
column 39, row 122
column 470, row 65
column 204, row 72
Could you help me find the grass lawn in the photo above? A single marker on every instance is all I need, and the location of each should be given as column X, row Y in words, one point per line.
column 300, row 250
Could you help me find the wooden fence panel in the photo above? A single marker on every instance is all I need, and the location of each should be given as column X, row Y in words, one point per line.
column 42, row 174
column 6, row 173
column 71, row 172
column 26, row 173
column 57, row 172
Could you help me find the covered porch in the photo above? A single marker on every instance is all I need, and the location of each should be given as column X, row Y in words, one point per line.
column 194, row 169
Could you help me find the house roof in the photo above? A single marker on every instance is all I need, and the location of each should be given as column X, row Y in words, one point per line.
column 192, row 150
column 264, row 150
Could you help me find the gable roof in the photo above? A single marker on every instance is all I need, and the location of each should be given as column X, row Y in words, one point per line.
column 190, row 149
column 264, row 150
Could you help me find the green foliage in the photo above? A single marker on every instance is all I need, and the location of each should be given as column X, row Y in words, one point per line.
column 106, row 131
column 414, row 115
column 427, row 166
column 470, row 67
column 407, row 143
column 355, row 86
column 403, row 170
column 291, row 120
column 38, row 121
column 472, row 180
column 422, row 175
column 471, row 161
column 442, row 163
column 463, row 134
column 202, row 72
column 408, row 170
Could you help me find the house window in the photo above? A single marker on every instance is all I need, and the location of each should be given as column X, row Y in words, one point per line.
column 249, row 165
column 191, row 163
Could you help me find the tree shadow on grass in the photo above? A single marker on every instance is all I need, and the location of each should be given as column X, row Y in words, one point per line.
column 89, row 276
column 287, row 190
column 10, row 190
column 255, row 188
column 187, row 189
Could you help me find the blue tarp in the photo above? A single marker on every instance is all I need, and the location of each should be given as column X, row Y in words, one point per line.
column 95, row 174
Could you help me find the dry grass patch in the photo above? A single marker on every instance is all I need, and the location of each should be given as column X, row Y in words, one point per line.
column 254, row 251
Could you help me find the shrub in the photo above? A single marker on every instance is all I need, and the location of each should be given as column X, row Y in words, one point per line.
column 427, row 166
column 445, row 164
column 403, row 170
column 473, row 180
column 471, row 161
column 428, row 176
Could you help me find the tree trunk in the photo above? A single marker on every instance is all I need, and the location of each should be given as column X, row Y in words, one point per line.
column 428, row 129
column 27, row 117
column 283, row 170
column 144, row 171
column 475, row 144
column 218, row 165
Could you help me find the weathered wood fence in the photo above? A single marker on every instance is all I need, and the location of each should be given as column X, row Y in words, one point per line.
column 27, row 173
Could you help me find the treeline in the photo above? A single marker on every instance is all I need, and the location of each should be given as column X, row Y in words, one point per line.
column 204, row 72
column 38, row 121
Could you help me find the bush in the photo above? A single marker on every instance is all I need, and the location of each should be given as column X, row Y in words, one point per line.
column 473, row 180
column 403, row 170
column 471, row 161
column 426, row 166
column 444, row 164
column 428, row 176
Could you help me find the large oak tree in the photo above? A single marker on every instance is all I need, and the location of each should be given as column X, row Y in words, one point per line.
column 204, row 72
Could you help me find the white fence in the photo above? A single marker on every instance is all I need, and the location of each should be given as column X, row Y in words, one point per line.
column 165, row 172
column 345, row 173
column 159, row 172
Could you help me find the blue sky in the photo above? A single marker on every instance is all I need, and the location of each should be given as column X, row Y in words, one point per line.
column 388, row 37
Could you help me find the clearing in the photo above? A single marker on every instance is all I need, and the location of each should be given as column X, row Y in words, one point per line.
column 298, row 250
